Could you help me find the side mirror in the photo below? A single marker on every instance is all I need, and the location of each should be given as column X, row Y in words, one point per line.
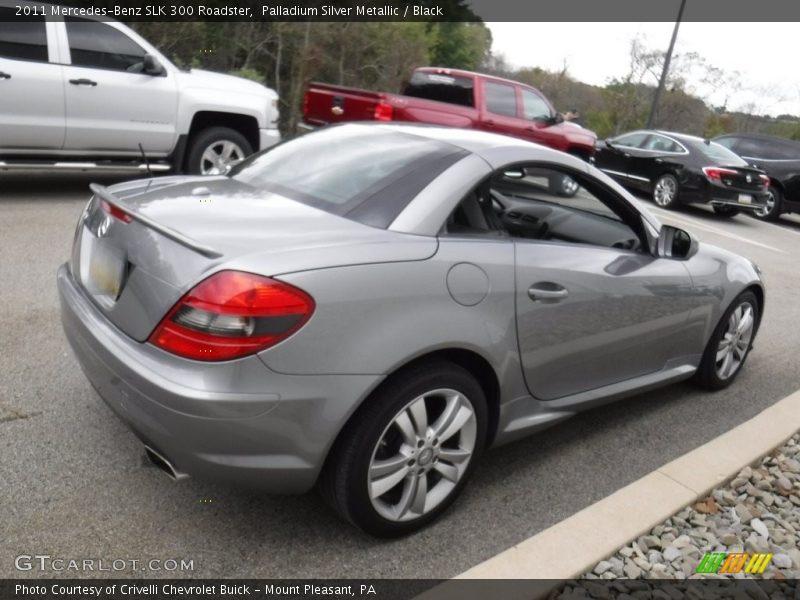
column 152, row 66
column 676, row 243
column 609, row 144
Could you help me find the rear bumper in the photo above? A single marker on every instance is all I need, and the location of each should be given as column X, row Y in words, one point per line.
column 268, row 138
column 237, row 421
column 717, row 195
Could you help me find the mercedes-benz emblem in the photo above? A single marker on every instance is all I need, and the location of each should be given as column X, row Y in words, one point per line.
column 749, row 179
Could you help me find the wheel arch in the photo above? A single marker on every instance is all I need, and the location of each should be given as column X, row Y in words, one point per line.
column 469, row 360
column 245, row 124
column 758, row 290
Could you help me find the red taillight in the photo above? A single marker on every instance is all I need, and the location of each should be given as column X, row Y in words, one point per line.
column 232, row 314
column 116, row 212
column 305, row 104
column 383, row 111
column 764, row 179
column 716, row 173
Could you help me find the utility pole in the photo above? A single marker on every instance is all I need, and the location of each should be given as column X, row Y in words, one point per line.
column 663, row 81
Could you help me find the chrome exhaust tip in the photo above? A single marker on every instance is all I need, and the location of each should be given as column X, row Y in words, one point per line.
column 163, row 464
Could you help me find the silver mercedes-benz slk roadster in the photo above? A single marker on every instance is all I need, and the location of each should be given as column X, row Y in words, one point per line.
column 368, row 307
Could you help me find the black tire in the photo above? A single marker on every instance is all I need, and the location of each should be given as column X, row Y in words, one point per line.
column 726, row 211
column 345, row 480
column 707, row 374
column 774, row 207
column 562, row 185
column 213, row 137
column 668, row 198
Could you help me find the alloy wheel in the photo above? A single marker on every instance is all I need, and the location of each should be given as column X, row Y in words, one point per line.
column 220, row 157
column 664, row 192
column 768, row 207
column 735, row 342
column 422, row 455
column 569, row 186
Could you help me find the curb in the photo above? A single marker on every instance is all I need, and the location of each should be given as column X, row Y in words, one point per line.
column 575, row 545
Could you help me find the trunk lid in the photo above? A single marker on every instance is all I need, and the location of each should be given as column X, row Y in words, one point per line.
column 182, row 229
column 743, row 179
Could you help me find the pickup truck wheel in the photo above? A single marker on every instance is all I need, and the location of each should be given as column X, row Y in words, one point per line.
column 216, row 150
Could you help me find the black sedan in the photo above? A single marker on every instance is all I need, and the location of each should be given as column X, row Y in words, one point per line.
column 780, row 158
column 682, row 169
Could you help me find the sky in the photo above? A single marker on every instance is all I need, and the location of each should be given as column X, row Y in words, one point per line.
column 764, row 54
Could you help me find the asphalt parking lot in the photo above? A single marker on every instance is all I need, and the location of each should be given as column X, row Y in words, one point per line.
column 74, row 483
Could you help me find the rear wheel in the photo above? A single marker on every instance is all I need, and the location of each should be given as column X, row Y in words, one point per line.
column 772, row 209
column 216, row 150
column 726, row 211
column 665, row 191
column 730, row 343
column 408, row 453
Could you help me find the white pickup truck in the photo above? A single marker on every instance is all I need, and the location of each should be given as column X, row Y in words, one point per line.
column 89, row 94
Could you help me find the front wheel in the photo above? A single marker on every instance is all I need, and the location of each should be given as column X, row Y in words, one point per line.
column 216, row 150
column 409, row 451
column 563, row 185
column 665, row 191
column 726, row 211
column 772, row 209
column 730, row 343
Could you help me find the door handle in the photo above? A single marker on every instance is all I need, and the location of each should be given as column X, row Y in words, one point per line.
column 83, row 82
column 551, row 292
column 4, row 75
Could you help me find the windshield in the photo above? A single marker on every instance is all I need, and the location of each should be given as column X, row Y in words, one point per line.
column 362, row 172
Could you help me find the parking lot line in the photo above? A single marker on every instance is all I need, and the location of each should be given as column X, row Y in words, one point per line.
column 571, row 547
column 700, row 225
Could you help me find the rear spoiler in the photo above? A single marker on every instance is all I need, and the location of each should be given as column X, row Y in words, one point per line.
column 103, row 193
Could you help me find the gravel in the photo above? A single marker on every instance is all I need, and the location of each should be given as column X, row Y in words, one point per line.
column 757, row 511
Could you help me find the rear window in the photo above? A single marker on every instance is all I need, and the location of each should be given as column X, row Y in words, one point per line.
column 442, row 88
column 360, row 172
column 721, row 155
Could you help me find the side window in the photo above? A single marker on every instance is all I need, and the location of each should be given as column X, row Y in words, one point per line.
column 95, row 44
column 534, row 106
column 539, row 202
column 22, row 40
column 501, row 99
column 749, row 147
column 659, row 143
column 631, row 140
column 771, row 150
column 543, row 203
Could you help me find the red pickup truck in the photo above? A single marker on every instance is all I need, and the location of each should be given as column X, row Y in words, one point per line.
column 457, row 99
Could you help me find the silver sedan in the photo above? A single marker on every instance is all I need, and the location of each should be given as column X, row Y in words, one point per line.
column 369, row 307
